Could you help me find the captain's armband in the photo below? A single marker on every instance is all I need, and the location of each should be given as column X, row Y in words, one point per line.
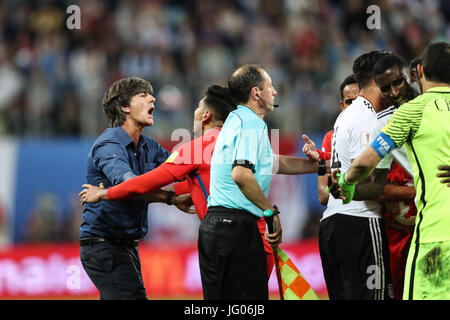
column 383, row 145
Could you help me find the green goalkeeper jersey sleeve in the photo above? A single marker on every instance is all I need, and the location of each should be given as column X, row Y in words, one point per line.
column 423, row 125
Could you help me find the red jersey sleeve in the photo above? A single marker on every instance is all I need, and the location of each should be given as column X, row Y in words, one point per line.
column 184, row 159
column 181, row 187
column 180, row 163
column 150, row 181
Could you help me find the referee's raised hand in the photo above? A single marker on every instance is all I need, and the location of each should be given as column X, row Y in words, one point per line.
column 309, row 149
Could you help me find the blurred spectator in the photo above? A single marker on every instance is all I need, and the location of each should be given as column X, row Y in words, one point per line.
column 44, row 223
column 52, row 77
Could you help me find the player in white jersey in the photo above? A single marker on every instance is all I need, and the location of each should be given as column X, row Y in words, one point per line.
column 352, row 239
column 396, row 191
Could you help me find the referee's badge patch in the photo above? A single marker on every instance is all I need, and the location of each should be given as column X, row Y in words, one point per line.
column 172, row 157
column 365, row 139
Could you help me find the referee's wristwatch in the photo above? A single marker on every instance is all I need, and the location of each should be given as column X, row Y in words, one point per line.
column 269, row 213
column 322, row 167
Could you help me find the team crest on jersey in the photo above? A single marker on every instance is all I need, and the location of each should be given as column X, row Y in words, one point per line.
column 365, row 139
column 172, row 157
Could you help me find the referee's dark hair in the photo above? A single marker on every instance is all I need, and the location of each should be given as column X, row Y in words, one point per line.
column 351, row 79
column 363, row 66
column 436, row 62
column 119, row 95
column 219, row 100
column 388, row 62
column 243, row 80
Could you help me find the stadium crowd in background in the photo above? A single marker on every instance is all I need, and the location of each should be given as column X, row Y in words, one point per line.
column 53, row 77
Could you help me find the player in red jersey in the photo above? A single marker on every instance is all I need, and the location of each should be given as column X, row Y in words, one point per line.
column 190, row 161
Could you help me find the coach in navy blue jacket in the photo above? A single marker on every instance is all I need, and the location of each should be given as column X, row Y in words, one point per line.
column 110, row 232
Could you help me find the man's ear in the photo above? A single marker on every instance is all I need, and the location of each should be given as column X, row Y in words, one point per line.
column 254, row 93
column 207, row 115
column 420, row 71
column 125, row 109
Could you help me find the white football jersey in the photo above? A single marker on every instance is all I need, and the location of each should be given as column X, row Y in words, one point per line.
column 398, row 154
column 351, row 136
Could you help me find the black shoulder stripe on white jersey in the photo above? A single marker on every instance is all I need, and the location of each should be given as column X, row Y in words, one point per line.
column 386, row 112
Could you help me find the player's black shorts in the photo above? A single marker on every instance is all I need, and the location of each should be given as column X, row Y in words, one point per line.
column 231, row 256
column 355, row 258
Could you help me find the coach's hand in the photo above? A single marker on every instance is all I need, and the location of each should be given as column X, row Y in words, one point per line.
column 93, row 194
column 274, row 238
column 184, row 203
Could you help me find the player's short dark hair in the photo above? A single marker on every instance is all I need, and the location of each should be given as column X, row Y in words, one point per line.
column 243, row 80
column 119, row 95
column 351, row 79
column 387, row 62
column 220, row 101
column 436, row 62
column 363, row 66
column 414, row 62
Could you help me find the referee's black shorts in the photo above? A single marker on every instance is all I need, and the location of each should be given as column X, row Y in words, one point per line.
column 355, row 258
column 231, row 256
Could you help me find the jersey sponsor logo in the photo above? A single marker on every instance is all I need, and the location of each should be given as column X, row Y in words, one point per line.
column 172, row 157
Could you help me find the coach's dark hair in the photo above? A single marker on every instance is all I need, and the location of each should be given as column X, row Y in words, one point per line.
column 243, row 80
column 363, row 66
column 388, row 62
column 351, row 79
column 119, row 95
column 220, row 101
column 436, row 62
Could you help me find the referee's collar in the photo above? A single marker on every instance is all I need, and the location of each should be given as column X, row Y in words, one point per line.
column 244, row 107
